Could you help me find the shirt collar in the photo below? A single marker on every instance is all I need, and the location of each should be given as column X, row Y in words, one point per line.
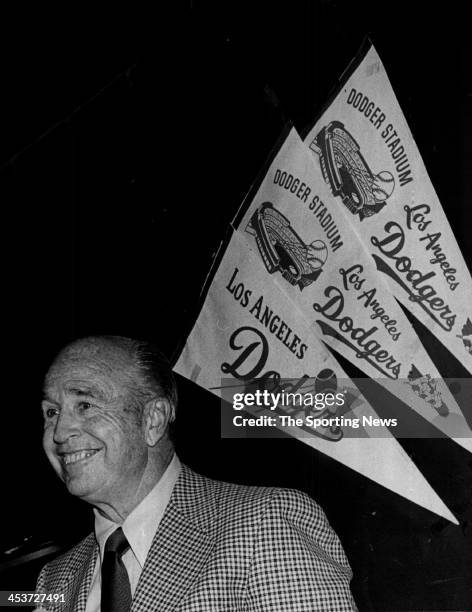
column 141, row 524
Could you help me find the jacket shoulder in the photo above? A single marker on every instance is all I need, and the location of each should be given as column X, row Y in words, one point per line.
column 236, row 502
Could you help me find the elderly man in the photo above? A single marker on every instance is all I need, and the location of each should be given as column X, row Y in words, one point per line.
column 166, row 538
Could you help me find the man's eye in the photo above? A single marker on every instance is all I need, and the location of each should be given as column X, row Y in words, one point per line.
column 51, row 412
column 85, row 405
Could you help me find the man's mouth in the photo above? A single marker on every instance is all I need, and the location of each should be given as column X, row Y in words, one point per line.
column 70, row 458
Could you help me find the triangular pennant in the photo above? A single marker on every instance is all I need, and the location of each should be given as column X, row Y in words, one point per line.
column 373, row 167
column 310, row 252
column 248, row 331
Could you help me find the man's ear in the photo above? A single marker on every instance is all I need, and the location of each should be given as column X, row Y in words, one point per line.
column 156, row 416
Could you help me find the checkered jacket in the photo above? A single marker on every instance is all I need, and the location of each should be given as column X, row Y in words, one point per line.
column 221, row 547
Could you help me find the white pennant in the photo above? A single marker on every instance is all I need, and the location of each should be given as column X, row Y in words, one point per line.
column 310, row 251
column 372, row 165
column 248, row 329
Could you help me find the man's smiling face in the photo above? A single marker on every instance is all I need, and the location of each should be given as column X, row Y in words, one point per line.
column 93, row 435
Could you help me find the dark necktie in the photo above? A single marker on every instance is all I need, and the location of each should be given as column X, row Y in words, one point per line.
column 116, row 590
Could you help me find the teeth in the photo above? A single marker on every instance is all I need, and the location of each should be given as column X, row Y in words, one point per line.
column 74, row 457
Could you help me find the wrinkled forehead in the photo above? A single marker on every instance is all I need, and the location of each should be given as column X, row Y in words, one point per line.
column 105, row 369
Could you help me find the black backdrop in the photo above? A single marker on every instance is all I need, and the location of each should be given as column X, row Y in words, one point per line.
column 126, row 146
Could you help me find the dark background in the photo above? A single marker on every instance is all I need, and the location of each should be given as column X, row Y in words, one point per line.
column 126, row 145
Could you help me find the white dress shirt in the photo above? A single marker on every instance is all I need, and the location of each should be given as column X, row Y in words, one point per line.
column 139, row 528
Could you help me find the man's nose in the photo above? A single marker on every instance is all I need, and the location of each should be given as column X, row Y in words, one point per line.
column 66, row 427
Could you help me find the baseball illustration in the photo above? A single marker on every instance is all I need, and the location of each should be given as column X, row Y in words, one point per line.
column 326, row 380
column 317, row 254
column 383, row 185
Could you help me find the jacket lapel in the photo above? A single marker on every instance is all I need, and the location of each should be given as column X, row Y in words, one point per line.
column 84, row 580
column 75, row 582
column 180, row 547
